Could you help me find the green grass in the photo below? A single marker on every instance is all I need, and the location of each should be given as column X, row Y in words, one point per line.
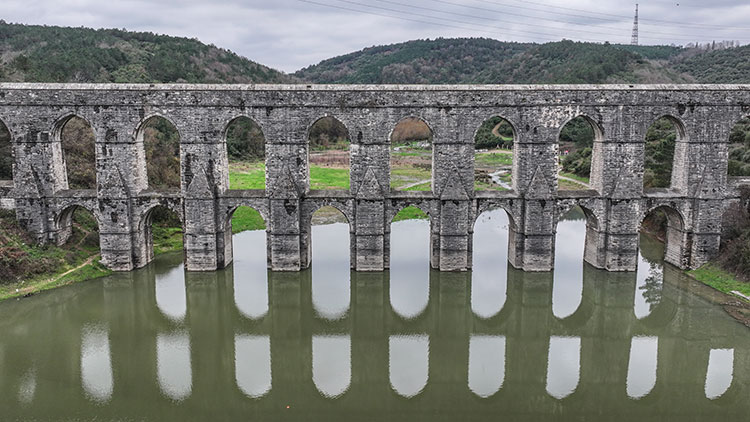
column 494, row 159
column 402, row 176
column 575, row 177
column 250, row 178
column 563, row 184
column 719, row 279
column 246, row 218
column 166, row 239
column 328, row 178
column 410, row 213
column 39, row 284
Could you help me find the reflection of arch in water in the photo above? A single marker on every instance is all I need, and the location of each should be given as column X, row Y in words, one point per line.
column 642, row 366
column 174, row 371
column 563, row 366
column 96, row 363
column 486, row 364
column 332, row 364
column 720, row 373
column 171, row 296
column 408, row 363
column 252, row 364
column 490, row 264
column 330, row 256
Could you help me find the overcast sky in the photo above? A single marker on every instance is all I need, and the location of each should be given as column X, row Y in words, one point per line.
column 291, row 34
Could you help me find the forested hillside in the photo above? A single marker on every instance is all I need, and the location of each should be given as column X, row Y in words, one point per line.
column 32, row 53
column 481, row 60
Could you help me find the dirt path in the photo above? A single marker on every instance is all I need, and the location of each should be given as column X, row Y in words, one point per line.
column 570, row 179
column 38, row 286
column 411, row 185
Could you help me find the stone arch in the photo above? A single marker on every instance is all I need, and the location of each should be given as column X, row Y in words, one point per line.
column 7, row 154
column 594, row 155
column 244, row 149
column 63, row 220
column 145, row 228
column 423, row 206
column 230, row 213
column 679, row 171
column 677, row 239
column 330, row 158
column 77, row 157
column 172, row 171
column 486, row 175
column 396, row 183
column 491, row 207
column 228, row 240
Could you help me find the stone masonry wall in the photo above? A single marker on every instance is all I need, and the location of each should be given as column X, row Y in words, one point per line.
column 615, row 206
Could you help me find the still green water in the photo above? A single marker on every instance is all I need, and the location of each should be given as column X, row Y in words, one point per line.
column 409, row 344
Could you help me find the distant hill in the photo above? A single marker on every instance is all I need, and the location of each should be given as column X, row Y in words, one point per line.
column 482, row 60
column 32, row 53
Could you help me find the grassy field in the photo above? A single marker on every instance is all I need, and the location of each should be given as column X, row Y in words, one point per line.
column 563, row 184
column 575, row 177
column 494, row 159
column 720, row 280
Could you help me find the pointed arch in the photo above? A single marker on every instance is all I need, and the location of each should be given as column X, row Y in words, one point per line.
column 245, row 149
column 411, row 155
column 159, row 143
column 329, row 154
column 330, row 255
column 665, row 154
column 77, row 141
column 494, row 142
column 580, row 148
column 676, row 237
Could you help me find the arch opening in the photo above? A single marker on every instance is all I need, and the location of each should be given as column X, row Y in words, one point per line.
column 161, row 144
column 411, row 155
column 246, row 153
column 410, row 247
column 329, row 154
column 78, row 144
column 666, row 223
column 162, row 231
column 78, row 227
column 493, row 155
column 489, row 274
column 664, row 153
column 6, row 155
column 245, row 232
column 577, row 141
column 331, row 263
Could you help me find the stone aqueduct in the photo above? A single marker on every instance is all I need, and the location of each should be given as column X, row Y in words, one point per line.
column 615, row 205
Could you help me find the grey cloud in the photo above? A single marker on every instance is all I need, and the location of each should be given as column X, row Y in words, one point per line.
column 290, row 34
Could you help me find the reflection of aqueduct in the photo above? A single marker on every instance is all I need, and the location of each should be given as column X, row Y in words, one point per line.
column 276, row 359
column 615, row 205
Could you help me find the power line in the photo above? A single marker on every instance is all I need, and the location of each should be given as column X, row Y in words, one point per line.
column 464, row 22
column 451, row 22
column 672, row 35
column 416, row 20
column 607, row 34
column 673, row 23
